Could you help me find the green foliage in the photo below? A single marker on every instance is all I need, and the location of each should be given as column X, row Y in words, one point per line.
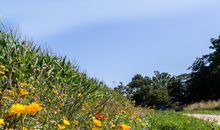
column 161, row 89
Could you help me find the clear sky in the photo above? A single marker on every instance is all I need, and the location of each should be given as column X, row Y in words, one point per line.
column 115, row 39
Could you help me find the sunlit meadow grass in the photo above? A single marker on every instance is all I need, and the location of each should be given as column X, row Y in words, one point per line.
column 171, row 120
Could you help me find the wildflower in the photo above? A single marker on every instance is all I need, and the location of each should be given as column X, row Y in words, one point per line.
column 111, row 124
column 30, row 89
column 2, row 122
column 2, row 72
column 100, row 116
column 62, row 104
column 66, row 122
column 124, row 127
column 64, row 95
column 6, row 97
column 9, row 81
column 96, row 128
column 55, row 92
column 17, row 109
column 23, row 84
column 97, row 122
column 23, row 92
column 36, row 98
column 8, row 116
column 11, row 92
column 24, row 128
column 76, row 122
column 61, row 127
column 79, row 95
column 33, row 107
column 2, row 67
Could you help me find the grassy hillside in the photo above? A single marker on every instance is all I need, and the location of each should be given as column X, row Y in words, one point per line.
column 39, row 90
column 42, row 91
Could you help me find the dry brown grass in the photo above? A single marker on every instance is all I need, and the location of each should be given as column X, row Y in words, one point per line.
column 209, row 105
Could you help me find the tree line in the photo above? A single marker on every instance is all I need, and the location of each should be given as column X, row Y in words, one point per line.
column 164, row 90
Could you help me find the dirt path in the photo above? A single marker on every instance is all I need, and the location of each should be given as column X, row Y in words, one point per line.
column 207, row 117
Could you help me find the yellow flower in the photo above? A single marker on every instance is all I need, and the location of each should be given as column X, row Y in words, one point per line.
column 61, row 127
column 97, row 122
column 96, row 128
column 23, row 128
column 2, row 122
column 124, row 127
column 55, row 92
column 2, row 66
column 64, row 95
column 66, row 122
column 23, row 84
column 24, row 92
column 1, row 72
column 76, row 122
column 7, row 97
column 79, row 95
column 17, row 109
column 62, row 104
column 33, row 107
column 11, row 92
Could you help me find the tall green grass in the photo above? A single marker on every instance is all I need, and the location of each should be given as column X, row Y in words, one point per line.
column 30, row 74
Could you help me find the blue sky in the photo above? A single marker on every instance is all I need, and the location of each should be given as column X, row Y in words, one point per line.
column 115, row 39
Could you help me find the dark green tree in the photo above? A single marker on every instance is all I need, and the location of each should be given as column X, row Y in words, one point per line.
column 178, row 89
column 161, row 89
column 205, row 77
column 139, row 88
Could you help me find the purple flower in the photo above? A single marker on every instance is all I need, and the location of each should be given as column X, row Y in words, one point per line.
column 9, row 81
column 30, row 89
column 35, row 98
